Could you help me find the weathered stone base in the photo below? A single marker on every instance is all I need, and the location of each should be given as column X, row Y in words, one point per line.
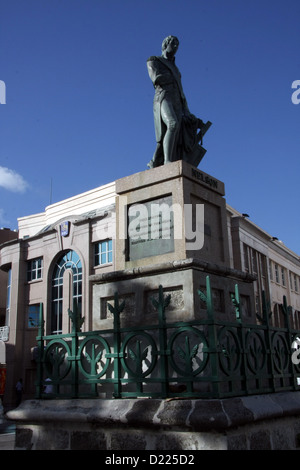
column 261, row 422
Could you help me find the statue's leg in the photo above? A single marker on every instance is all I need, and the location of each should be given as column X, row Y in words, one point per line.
column 170, row 119
column 158, row 158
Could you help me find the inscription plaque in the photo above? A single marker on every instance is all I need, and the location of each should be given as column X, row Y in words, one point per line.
column 150, row 228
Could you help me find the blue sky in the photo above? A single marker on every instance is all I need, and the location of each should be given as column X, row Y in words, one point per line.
column 78, row 109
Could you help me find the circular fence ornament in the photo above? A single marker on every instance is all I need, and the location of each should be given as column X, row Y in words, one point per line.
column 188, row 351
column 229, row 350
column 138, row 354
column 280, row 351
column 56, row 359
column 295, row 354
column 94, row 353
column 256, row 351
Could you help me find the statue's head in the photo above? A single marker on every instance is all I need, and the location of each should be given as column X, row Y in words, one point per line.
column 167, row 41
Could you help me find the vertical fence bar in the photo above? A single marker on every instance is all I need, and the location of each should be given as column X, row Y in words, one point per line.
column 289, row 339
column 74, row 358
column 77, row 321
column 161, row 306
column 268, row 341
column 116, row 311
column 236, row 302
column 212, row 340
column 241, row 334
column 40, row 353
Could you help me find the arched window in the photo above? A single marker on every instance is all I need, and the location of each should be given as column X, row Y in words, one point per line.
column 66, row 289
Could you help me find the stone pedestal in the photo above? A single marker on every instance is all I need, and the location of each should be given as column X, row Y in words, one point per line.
column 182, row 187
column 259, row 422
column 171, row 230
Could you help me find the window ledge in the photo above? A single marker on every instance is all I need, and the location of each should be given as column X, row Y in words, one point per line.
column 103, row 265
column 34, row 281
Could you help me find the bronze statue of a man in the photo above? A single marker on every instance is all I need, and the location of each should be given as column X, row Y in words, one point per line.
column 175, row 127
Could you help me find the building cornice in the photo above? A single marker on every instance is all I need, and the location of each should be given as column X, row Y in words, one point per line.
column 190, row 263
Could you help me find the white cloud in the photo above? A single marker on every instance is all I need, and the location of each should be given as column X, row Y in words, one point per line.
column 11, row 180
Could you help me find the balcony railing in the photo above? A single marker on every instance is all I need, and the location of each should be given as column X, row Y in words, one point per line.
column 206, row 358
column 4, row 333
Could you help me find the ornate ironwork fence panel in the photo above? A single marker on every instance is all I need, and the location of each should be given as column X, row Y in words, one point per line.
column 203, row 358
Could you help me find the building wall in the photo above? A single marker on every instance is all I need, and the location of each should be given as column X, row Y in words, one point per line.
column 48, row 244
column 276, row 266
column 5, row 235
column 84, row 203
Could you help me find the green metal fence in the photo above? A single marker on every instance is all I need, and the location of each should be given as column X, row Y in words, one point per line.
column 205, row 358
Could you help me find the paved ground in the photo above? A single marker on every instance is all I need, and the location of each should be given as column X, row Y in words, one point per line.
column 7, row 434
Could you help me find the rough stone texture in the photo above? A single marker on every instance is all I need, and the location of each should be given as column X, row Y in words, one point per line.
column 51, row 438
column 260, row 440
column 138, row 408
column 208, row 417
column 23, row 438
column 237, row 412
column 81, row 440
column 134, row 440
column 261, row 422
column 238, row 442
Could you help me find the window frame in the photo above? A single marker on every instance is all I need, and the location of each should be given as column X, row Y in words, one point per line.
column 8, row 297
column 295, row 283
column 34, row 271
column 283, row 279
column 276, row 268
column 103, row 257
column 35, row 317
column 68, row 260
column 271, row 274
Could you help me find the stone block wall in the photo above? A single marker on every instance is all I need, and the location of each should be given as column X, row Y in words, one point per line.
column 261, row 422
